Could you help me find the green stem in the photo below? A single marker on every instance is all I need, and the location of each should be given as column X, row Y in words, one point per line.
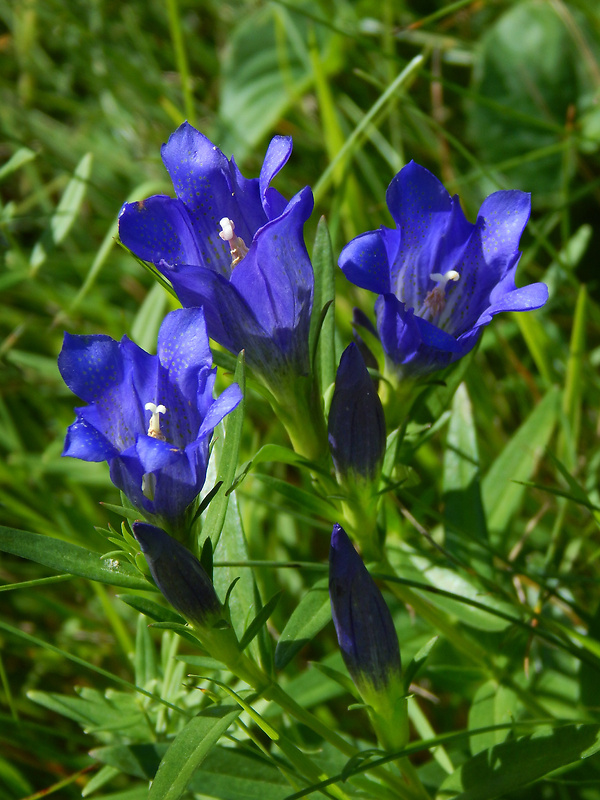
column 298, row 406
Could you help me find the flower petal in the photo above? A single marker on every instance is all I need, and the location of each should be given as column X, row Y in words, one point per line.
column 86, row 442
column 89, row 365
column 183, row 348
column 229, row 399
column 364, row 261
column 278, row 153
column 158, row 229
column 206, row 182
column 422, row 210
column 276, row 277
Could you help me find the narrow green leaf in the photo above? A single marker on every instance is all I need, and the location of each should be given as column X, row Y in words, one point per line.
column 323, row 337
column 572, row 397
column 307, row 501
column 151, row 609
column 518, row 461
column 189, row 749
column 66, row 557
column 259, row 621
column 463, row 508
column 22, row 156
column 417, row 662
column 144, row 330
column 232, row 546
column 227, row 446
column 65, row 214
column 512, row 765
column 308, row 618
column 144, row 661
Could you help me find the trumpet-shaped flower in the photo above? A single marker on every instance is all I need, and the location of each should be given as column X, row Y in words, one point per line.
column 234, row 246
column 440, row 279
column 150, row 416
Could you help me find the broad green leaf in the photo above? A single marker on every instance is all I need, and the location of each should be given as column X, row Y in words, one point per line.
column 65, row 214
column 325, row 362
column 265, row 70
column 189, row 749
column 512, row 765
column 527, row 77
column 466, row 530
column 308, row 618
column 517, row 462
column 66, row 557
column 226, row 452
column 226, row 773
column 493, row 704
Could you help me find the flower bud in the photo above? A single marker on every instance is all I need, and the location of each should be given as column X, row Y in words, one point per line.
column 179, row 575
column 368, row 640
column 356, row 421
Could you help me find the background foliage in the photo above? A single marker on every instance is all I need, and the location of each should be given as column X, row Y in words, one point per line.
column 507, row 96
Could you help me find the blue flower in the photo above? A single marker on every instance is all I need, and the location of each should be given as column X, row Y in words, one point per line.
column 356, row 421
column 179, row 575
column 151, row 417
column 234, row 246
column 368, row 640
column 440, row 279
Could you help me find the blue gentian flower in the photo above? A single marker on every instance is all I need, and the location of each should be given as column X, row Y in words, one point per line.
column 234, row 246
column 368, row 640
column 440, row 279
column 356, row 424
column 150, row 416
column 179, row 575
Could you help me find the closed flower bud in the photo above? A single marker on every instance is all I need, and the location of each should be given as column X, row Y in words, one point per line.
column 356, row 421
column 179, row 575
column 368, row 640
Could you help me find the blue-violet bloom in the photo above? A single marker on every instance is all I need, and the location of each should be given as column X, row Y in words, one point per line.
column 368, row 640
column 234, row 246
column 440, row 279
column 356, row 424
column 150, row 416
column 179, row 575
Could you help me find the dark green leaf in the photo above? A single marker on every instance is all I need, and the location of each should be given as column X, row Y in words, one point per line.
column 65, row 557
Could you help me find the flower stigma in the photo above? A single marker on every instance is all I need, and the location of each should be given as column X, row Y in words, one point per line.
column 435, row 300
column 154, row 425
column 236, row 244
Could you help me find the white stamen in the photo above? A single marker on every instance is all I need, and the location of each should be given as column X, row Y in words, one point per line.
column 236, row 244
column 154, row 426
column 435, row 301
